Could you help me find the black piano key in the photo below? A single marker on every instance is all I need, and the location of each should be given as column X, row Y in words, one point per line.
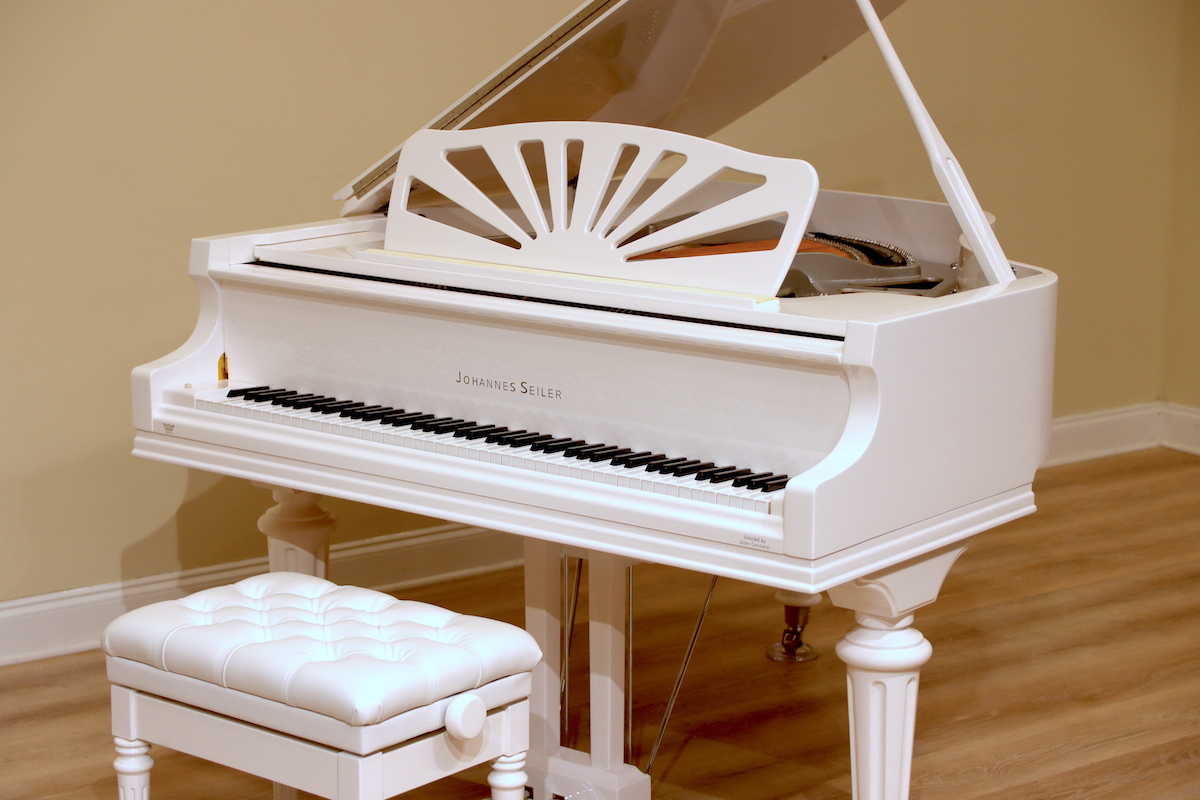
column 333, row 408
column 479, row 431
column 774, row 484
column 264, row 395
column 665, row 465
column 707, row 473
column 540, row 446
column 675, row 468
column 653, row 464
column 746, row 480
column 526, row 439
column 359, row 412
column 721, row 477
column 559, row 445
column 448, row 427
column 508, row 438
column 324, row 401
column 346, row 411
column 240, row 392
column 279, row 398
column 608, row 453
column 495, row 438
column 423, row 425
column 413, row 417
column 643, row 459
column 622, row 460
column 306, row 402
column 694, row 469
column 586, row 453
column 573, row 450
column 286, row 398
column 378, row 413
column 407, row 418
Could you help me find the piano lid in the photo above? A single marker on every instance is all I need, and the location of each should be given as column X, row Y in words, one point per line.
column 692, row 66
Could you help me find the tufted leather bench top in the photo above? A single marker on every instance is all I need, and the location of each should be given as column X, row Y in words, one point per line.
column 353, row 654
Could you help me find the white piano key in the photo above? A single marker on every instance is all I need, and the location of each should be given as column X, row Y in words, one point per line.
column 523, row 457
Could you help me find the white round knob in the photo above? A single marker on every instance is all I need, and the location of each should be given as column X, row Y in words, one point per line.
column 465, row 716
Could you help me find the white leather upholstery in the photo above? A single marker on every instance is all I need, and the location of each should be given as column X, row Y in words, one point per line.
column 353, row 654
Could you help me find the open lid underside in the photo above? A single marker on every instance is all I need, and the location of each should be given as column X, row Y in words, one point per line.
column 692, row 66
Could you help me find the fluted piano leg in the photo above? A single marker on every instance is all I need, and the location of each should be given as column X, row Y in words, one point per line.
column 297, row 531
column 883, row 657
column 133, row 765
column 883, row 663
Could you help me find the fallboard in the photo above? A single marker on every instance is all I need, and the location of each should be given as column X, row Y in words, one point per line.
column 767, row 413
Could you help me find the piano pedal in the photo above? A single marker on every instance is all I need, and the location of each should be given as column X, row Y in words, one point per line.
column 791, row 649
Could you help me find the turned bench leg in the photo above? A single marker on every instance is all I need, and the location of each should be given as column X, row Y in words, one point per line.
column 133, row 769
column 508, row 778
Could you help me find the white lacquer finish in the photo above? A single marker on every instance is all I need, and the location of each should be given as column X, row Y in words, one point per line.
column 554, row 769
column 593, row 214
column 883, row 658
column 341, row 692
column 297, row 531
column 133, row 765
column 907, row 424
column 950, row 176
column 935, row 407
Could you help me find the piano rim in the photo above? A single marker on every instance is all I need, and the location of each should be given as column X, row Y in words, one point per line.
column 775, row 570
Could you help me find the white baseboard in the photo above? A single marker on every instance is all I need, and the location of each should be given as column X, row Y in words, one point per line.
column 71, row 621
column 1181, row 428
column 1105, row 433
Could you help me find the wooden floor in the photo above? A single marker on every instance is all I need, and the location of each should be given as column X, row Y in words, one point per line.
column 1066, row 665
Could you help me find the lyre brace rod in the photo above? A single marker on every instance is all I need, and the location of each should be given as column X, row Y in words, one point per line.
column 570, row 606
column 946, row 169
column 687, row 657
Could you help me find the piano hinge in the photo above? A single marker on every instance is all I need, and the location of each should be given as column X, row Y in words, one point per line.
column 223, row 368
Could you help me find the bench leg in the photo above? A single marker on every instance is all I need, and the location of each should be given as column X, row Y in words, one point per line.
column 508, row 777
column 133, row 769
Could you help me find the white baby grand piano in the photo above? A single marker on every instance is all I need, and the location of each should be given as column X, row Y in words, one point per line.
column 578, row 323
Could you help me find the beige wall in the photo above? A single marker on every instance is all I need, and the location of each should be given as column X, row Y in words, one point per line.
column 126, row 128
column 1182, row 384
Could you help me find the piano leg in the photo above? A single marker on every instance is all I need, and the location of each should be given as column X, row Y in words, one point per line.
column 883, row 658
column 297, row 531
column 554, row 769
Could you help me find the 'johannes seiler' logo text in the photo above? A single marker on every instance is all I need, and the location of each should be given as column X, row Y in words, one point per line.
column 517, row 387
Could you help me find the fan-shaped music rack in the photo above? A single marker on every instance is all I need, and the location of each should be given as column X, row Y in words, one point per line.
column 600, row 200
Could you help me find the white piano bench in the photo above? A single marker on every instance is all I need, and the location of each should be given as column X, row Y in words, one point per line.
column 339, row 691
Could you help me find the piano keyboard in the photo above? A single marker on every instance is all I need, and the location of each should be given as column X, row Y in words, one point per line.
column 676, row 476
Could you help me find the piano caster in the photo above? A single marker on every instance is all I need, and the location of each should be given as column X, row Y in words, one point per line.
column 791, row 649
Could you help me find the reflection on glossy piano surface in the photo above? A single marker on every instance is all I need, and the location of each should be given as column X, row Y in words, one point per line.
column 560, row 313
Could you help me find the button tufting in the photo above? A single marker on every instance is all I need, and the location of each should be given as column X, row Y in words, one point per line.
column 353, row 654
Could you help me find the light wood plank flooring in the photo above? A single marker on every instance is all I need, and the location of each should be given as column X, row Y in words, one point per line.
column 1066, row 665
